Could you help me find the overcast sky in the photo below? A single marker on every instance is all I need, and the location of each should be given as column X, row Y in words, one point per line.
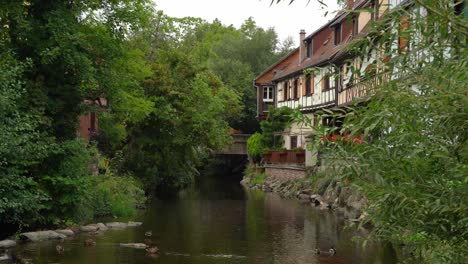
column 287, row 20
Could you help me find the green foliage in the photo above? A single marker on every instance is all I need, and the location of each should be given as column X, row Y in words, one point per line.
column 277, row 120
column 255, row 146
column 258, row 179
column 53, row 56
column 22, row 146
column 117, row 195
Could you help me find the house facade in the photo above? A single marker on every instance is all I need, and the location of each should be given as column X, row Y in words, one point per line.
column 322, row 74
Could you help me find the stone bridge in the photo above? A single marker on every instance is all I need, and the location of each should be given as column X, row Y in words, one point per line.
column 238, row 147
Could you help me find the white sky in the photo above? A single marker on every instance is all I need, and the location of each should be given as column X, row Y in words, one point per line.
column 287, row 20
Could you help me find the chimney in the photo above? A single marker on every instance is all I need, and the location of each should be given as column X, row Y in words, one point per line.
column 302, row 48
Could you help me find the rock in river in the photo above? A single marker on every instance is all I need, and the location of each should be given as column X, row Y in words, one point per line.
column 102, row 227
column 7, row 243
column 89, row 228
column 134, row 245
column 116, row 225
column 67, row 232
column 130, row 223
column 41, row 236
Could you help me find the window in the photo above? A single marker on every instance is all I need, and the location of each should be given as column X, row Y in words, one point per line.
column 92, row 121
column 286, row 91
column 308, row 84
column 341, row 77
column 460, row 8
column 295, row 91
column 355, row 26
column 309, row 48
column 327, row 121
column 394, row 3
column 280, row 90
column 293, row 142
column 326, row 82
column 337, row 34
column 268, row 94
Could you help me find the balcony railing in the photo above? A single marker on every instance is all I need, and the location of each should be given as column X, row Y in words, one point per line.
column 284, row 157
column 360, row 89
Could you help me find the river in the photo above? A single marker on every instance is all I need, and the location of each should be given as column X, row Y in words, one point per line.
column 217, row 221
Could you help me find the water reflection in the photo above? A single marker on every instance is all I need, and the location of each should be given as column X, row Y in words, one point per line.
column 217, row 221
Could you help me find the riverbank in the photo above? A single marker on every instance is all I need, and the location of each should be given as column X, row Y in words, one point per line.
column 8, row 247
column 324, row 192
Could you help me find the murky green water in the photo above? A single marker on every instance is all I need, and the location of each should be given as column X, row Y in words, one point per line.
column 218, row 221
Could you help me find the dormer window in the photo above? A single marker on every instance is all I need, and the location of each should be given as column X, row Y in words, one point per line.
column 337, row 34
column 309, row 51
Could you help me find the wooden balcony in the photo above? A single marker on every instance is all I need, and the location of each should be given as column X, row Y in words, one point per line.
column 284, row 157
column 360, row 89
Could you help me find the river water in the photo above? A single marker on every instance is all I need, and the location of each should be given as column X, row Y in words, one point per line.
column 217, row 221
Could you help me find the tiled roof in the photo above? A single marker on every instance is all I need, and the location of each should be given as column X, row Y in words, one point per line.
column 276, row 63
column 326, row 53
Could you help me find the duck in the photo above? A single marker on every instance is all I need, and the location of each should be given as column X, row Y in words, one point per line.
column 152, row 250
column 59, row 249
column 148, row 233
column 332, row 251
column 89, row 243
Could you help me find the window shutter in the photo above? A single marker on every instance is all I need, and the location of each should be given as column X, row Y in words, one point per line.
column 403, row 36
column 312, row 82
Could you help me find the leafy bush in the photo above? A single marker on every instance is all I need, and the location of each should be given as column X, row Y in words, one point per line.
column 277, row 120
column 117, row 195
column 258, row 179
column 255, row 146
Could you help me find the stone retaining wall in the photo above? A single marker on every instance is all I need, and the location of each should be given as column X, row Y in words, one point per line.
column 284, row 172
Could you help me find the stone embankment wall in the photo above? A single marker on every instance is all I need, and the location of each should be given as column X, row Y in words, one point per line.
column 325, row 193
column 284, row 172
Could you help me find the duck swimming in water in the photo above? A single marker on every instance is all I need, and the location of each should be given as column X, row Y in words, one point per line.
column 59, row 249
column 152, row 250
column 332, row 251
column 89, row 243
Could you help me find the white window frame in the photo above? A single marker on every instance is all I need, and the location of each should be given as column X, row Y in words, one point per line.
column 269, row 93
